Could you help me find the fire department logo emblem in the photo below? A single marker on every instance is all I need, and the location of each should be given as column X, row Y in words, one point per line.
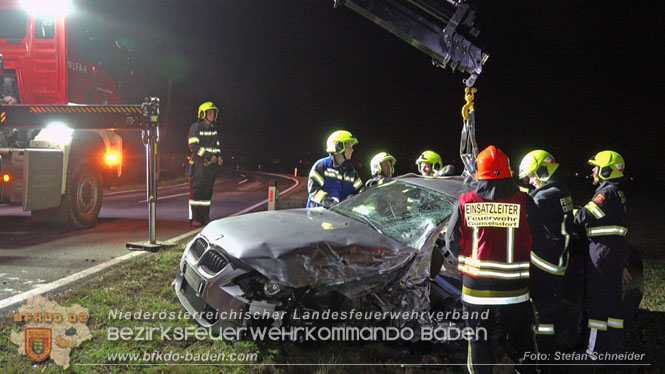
column 599, row 198
column 38, row 343
column 51, row 330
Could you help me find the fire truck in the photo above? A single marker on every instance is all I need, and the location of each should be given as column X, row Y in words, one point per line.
column 59, row 107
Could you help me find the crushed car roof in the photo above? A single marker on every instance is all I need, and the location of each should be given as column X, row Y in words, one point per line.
column 452, row 186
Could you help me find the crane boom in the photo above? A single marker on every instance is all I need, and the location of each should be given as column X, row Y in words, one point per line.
column 441, row 29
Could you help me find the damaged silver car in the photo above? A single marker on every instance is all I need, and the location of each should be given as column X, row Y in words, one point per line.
column 375, row 252
column 377, row 259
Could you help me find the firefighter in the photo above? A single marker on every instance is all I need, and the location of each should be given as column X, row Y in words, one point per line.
column 383, row 167
column 429, row 162
column 206, row 157
column 492, row 232
column 430, row 165
column 603, row 220
column 548, row 267
column 333, row 178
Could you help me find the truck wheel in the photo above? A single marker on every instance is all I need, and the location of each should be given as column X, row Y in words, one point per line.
column 84, row 195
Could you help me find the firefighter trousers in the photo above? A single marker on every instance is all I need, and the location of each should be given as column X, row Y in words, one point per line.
column 546, row 296
column 201, row 185
column 603, row 303
column 510, row 323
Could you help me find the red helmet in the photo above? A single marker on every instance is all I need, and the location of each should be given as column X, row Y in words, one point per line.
column 492, row 163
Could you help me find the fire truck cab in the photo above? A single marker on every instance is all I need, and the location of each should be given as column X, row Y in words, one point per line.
column 51, row 57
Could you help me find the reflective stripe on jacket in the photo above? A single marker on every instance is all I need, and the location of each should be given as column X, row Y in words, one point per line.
column 603, row 220
column 495, row 243
column 203, row 139
column 556, row 206
column 603, row 216
column 328, row 180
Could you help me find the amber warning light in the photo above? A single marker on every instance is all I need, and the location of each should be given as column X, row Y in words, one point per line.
column 112, row 158
column 6, row 178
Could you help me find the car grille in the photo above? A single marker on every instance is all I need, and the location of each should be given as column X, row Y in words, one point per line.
column 213, row 262
column 199, row 247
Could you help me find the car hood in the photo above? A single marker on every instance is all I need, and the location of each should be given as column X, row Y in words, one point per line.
column 307, row 247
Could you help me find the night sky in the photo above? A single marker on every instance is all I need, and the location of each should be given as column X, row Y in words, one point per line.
column 574, row 78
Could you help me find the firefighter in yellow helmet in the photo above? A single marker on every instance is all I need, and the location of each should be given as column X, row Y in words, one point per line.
column 549, row 266
column 430, row 165
column 383, row 168
column 603, row 220
column 205, row 159
column 333, row 178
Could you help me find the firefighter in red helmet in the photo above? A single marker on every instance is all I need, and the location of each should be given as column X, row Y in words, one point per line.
column 206, row 157
column 492, row 232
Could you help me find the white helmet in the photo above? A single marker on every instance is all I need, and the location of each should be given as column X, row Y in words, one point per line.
column 378, row 159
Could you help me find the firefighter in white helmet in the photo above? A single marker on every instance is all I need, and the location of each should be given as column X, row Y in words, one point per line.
column 383, row 168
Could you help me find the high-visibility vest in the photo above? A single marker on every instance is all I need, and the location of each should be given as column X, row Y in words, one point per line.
column 496, row 246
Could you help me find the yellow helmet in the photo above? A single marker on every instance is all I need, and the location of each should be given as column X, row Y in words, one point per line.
column 337, row 141
column 539, row 162
column 205, row 107
column 375, row 164
column 430, row 157
column 611, row 164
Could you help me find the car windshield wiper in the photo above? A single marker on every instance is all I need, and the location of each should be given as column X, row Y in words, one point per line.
column 371, row 224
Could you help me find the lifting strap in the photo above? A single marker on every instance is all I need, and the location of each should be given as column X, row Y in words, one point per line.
column 468, row 148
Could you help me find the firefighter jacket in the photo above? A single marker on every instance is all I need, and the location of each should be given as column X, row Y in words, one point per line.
column 603, row 221
column 556, row 208
column 493, row 232
column 329, row 181
column 203, row 141
column 377, row 181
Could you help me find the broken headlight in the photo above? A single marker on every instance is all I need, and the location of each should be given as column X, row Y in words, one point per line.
column 271, row 288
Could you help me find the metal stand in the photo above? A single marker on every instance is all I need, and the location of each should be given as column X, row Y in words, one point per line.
column 150, row 133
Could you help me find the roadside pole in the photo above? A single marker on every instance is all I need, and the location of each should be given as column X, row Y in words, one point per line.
column 273, row 195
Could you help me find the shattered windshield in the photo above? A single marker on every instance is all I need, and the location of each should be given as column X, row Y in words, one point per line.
column 405, row 212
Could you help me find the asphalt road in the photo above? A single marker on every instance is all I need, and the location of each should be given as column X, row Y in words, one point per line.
column 33, row 253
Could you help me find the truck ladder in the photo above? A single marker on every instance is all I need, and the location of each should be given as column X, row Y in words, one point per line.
column 76, row 117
